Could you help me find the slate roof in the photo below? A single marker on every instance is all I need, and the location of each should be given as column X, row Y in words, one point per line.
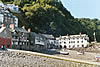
column 2, row 28
column 21, row 30
column 48, row 36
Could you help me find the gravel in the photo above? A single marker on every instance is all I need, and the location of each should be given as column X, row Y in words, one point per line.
column 87, row 56
column 16, row 59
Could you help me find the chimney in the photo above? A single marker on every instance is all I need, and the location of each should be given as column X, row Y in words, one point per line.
column 80, row 34
column 23, row 27
column 12, row 26
column 2, row 25
column 29, row 29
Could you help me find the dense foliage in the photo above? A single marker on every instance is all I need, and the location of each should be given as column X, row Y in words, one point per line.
column 49, row 16
column 90, row 26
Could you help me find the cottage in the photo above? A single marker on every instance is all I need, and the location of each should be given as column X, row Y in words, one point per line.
column 5, row 37
column 2, row 5
column 12, row 7
column 73, row 41
column 37, row 41
column 51, row 41
column 6, row 18
column 19, row 37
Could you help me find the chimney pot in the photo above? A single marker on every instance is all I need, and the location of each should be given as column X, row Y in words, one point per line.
column 29, row 30
column 12, row 26
column 23, row 27
column 2, row 25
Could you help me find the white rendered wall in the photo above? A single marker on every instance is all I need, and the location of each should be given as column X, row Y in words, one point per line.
column 1, row 18
column 73, row 42
column 16, row 22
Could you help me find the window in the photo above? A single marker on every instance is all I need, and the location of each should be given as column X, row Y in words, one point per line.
column 5, row 32
column 77, row 45
column 8, row 46
column 73, row 41
column 64, row 38
column 54, row 41
column 82, row 45
column 73, row 38
column 65, row 46
column 60, row 46
column 73, row 46
column 64, row 42
column 82, row 41
column 69, row 46
column 81, row 37
column 38, row 40
column 77, row 41
column 69, row 41
column 15, row 37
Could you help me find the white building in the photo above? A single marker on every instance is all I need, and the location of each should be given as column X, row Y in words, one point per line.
column 6, row 18
column 73, row 41
column 39, row 40
column 15, row 21
column 1, row 4
column 1, row 18
column 12, row 7
column 57, row 0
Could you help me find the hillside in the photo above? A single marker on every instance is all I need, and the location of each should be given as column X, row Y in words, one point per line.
column 51, row 17
column 47, row 16
column 90, row 26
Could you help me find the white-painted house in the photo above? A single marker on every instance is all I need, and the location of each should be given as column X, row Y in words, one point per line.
column 7, row 19
column 57, row 0
column 1, row 18
column 1, row 4
column 12, row 7
column 73, row 41
column 15, row 21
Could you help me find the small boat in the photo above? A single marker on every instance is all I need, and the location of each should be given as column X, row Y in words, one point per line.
column 79, row 53
column 64, row 52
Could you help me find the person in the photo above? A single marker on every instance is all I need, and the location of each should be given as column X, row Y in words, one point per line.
column 3, row 47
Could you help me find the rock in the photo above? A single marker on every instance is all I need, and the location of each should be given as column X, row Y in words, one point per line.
column 15, row 59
